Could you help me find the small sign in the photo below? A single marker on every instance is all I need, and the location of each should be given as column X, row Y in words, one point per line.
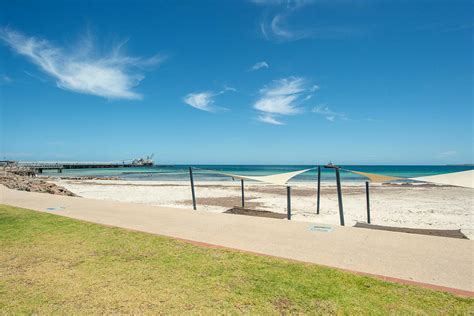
column 318, row 228
column 57, row 208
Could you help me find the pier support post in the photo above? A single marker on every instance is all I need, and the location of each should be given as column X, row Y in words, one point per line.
column 368, row 200
column 288, row 203
column 319, row 189
column 192, row 187
column 243, row 196
column 339, row 197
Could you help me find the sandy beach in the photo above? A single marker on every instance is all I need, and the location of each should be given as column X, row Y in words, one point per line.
column 414, row 206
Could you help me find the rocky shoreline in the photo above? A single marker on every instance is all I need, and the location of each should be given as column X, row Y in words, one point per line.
column 78, row 178
column 31, row 184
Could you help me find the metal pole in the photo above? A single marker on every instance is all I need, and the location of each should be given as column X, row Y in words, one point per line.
column 288, row 203
column 339, row 197
column 368, row 200
column 243, row 196
column 319, row 188
column 192, row 187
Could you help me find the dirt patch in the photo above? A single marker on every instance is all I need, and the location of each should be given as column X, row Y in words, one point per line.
column 455, row 233
column 228, row 202
column 415, row 184
column 250, row 212
column 283, row 306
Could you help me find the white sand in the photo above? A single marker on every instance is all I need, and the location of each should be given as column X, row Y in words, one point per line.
column 418, row 206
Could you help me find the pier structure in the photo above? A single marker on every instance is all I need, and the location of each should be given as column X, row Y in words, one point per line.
column 39, row 167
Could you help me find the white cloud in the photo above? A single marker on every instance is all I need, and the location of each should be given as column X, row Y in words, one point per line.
column 286, row 86
column 82, row 70
column 282, row 97
column 201, row 100
column 259, row 65
column 330, row 115
column 269, row 119
column 205, row 100
column 277, row 104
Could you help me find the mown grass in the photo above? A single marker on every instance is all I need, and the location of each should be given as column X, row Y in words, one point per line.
column 55, row 265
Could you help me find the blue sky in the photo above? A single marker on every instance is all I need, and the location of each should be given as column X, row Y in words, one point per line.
column 245, row 82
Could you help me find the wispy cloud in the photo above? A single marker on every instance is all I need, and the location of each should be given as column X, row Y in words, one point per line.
column 204, row 101
column 274, row 26
column 201, row 100
column 314, row 88
column 278, row 22
column 269, row 119
column 82, row 70
column 4, row 79
column 330, row 115
column 276, row 29
column 282, row 97
column 227, row 88
column 260, row 65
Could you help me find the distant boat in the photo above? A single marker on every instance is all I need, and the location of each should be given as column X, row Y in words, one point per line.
column 329, row 165
column 142, row 162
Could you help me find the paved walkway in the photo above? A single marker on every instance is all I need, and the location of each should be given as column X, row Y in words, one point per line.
column 437, row 261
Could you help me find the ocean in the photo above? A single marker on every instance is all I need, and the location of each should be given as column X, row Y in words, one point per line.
column 181, row 173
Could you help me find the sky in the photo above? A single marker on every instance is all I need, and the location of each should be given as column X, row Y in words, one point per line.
column 237, row 82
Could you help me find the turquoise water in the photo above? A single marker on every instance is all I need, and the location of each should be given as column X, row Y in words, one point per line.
column 181, row 173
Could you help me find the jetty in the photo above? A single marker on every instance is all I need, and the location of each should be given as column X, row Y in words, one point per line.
column 40, row 166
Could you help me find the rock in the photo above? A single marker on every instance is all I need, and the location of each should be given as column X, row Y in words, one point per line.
column 31, row 184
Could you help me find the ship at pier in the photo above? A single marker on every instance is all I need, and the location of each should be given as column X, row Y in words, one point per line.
column 143, row 162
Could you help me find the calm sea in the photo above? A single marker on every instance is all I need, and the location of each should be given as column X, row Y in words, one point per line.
column 181, row 173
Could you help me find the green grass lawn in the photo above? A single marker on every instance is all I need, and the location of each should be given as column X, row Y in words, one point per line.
column 51, row 264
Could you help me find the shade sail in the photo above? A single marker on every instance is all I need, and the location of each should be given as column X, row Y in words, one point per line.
column 277, row 179
column 460, row 179
column 375, row 177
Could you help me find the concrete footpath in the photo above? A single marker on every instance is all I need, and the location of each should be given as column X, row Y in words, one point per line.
column 436, row 262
